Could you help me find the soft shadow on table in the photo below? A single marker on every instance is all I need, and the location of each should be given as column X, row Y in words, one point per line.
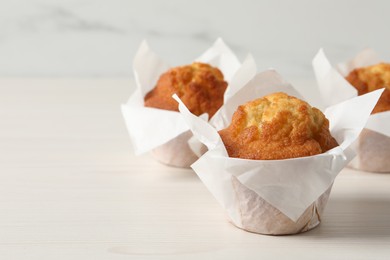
column 355, row 217
column 175, row 174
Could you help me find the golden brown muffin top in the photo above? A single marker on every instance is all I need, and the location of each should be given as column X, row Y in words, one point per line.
column 371, row 78
column 200, row 86
column 277, row 126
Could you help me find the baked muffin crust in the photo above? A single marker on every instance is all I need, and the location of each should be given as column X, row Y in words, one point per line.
column 277, row 126
column 200, row 86
column 371, row 78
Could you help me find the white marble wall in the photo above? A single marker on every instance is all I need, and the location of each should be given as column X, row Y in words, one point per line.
column 98, row 38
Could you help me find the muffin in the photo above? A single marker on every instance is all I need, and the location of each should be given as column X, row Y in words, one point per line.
column 373, row 147
column 371, row 78
column 277, row 126
column 272, row 166
column 201, row 87
column 150, row 114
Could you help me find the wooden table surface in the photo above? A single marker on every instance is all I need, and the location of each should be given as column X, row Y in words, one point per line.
column 70, row 188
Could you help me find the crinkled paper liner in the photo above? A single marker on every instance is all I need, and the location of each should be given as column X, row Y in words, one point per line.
column 373, row 152
column 176, row 152
column 258, row 216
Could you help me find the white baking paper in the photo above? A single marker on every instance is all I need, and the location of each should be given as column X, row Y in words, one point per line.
column 366, row 57
column 289, row 185
column 335, row 88
column 150, row 127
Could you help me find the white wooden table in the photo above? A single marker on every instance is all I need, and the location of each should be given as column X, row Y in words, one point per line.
column 70, row 188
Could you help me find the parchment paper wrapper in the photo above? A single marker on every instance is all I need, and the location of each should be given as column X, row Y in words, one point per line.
column 373, row 145
column 275, row 197
column 164, row 132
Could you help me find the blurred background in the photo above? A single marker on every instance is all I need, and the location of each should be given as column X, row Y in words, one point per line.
column 98, row 38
